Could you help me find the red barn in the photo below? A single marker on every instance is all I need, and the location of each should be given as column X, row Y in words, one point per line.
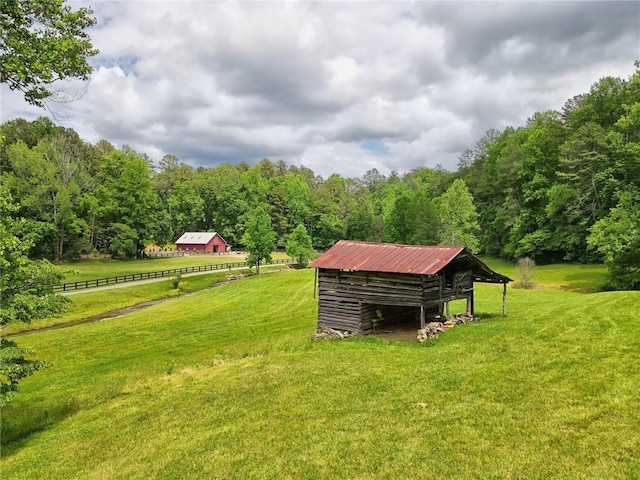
column 210, row 242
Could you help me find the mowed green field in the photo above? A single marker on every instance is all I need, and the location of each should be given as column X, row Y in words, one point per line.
column 98, row 302
column 225, row 383
column 106, row 267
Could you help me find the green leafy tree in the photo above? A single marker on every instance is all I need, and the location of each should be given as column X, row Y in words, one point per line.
column 122, row 241
column 226, row 203
column 298, row 198
column 458, row 217
column 400, row 224
column 427, row 220
column 328, row 229
column 186, row 209
column 43, row 41
column 25, row 295
column 299, row 246
column 278, row 210
column 126, row 196
column 259, row 237
column 329, row 211
column 360, row 220
column 617, row 238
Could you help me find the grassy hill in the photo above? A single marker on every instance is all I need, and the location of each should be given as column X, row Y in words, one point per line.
column 226, row 383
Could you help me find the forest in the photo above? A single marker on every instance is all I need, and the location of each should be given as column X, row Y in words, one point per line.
column 563, row 187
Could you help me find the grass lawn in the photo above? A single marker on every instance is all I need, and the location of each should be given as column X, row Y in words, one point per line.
column 106, row 267
column 85, row 305
column 225, row 383
column 576, row 277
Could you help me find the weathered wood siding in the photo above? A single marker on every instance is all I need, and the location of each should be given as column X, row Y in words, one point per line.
column 348, row 300
column 377, row 288
column 341, row 314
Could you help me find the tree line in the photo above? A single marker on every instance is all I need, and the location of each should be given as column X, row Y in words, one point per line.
column 553, row 189
column 79, row 197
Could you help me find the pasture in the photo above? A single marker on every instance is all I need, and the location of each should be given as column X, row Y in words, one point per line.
column 225, row 383
column 92, row 269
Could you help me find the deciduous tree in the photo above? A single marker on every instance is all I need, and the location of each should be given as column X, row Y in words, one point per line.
column 25, row 295
column 617, row 238
column 43, row 41
column 299, row 245
column 458, row 217
column 259, row 237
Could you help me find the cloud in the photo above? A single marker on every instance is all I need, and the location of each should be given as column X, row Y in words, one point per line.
column 320, row 83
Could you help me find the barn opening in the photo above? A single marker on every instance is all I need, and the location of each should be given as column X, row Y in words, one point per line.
column 377, row 317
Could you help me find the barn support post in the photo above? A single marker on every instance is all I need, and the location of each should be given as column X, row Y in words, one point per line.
column 470, row 303
column 422, row 317
column 447, row 310
column 315, row 282
column 504, row 299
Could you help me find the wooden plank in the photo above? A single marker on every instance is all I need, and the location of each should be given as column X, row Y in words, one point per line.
column 504, row 299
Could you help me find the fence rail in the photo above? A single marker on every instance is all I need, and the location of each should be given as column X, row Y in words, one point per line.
column 133, row 277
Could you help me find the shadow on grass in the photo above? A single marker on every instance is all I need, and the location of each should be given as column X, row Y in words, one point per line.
column 579, row 283
column 480, row 316
column 19, row 422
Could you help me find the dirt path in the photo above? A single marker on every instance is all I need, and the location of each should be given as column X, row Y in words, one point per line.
column 96, row 318
column 119, row 311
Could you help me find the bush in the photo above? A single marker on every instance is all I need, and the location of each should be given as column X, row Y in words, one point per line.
column 525, row 269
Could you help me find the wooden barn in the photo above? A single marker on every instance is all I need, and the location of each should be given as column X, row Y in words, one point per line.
column 364, row 285
column 200, row 242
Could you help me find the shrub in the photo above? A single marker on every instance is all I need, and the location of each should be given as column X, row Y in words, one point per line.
column 525, row 269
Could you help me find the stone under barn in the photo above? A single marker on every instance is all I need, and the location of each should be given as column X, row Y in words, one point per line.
column 363, row 286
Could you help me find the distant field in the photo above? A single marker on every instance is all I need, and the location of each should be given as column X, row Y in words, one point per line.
column 577, row 277
column 225, row 383
column 102, row 268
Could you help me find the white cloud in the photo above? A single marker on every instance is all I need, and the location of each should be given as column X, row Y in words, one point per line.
column 311, row 82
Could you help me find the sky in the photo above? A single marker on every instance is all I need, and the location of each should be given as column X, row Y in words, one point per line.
column 339, row 87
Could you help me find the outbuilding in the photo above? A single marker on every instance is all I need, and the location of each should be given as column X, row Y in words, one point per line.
column 362, row 285
column 201, row 242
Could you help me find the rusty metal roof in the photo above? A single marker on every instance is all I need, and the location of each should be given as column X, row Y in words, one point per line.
column 386, row 257
column 409, row 259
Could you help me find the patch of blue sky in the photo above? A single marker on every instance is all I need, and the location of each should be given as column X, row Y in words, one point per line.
column 126, row 64
column 375, row 146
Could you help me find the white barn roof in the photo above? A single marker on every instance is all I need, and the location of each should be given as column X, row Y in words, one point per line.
column 196, row 238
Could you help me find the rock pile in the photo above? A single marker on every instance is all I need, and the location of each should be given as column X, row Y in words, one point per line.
column 432, row 329
column 326, row 332
column 231, row 278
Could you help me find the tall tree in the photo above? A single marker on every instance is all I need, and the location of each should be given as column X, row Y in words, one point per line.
column 427, row 220
column 126, row 196
column 400, row 223
column 298, row 198
column 43, row 41
column 617, row 238
column 458, row 217
column 225, row 200
column 259, row 237
column 299, row 245
column 25, row 295
column 360, row 220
